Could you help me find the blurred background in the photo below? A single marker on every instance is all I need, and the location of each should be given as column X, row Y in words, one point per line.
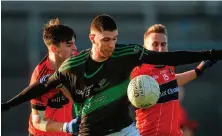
column 191, row 26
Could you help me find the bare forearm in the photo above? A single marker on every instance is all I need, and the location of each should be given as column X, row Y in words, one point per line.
column 185, row 77
column 49, row 125
column 188, row 76
column 53, row 126
column 41, row 123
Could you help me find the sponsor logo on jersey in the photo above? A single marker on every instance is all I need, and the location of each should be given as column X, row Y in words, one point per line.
column 86, row 92
column 171, row 71
column 169, row 91
column 136, row 49
column 58, row 100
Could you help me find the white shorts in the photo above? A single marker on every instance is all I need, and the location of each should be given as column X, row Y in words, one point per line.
column 131, row 130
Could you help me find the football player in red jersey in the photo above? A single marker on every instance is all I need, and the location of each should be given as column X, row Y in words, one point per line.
column 162, row 119
column 52, row 111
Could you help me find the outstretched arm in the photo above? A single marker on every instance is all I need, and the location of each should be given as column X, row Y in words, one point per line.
column 179, row 57
column 141, row 55
column 185, row 77
column 35, row 90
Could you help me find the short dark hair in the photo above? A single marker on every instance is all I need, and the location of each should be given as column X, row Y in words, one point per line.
column 103, row 23
column 54, row 33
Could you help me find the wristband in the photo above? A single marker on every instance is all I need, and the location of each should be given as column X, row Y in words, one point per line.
column 198, row 72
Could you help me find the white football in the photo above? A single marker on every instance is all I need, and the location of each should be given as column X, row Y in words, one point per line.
column 143, row 91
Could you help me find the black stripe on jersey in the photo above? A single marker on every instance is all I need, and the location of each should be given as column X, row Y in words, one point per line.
column 168, row 91
column 45, row 72
column 74, row 61
column 43, row 60
column 126, row 50
column 38, row 107
column 41, row 72
column 124, row 46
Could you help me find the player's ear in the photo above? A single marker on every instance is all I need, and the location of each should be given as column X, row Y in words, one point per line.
column 53, row 48
column 92, row 38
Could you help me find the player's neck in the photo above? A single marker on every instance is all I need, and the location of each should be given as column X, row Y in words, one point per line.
column 54, row 61
column 96, row 55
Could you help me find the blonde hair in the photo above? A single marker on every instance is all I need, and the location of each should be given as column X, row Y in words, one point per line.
column 157, row 28
column 52, row 22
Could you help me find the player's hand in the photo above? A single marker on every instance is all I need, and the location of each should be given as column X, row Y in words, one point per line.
column 209, row 63
column 73, row 126
column 204, row 65
column 216, row 54
column 4, row 107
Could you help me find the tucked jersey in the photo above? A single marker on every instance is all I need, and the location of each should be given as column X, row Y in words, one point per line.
column 57, row 107
column 162, row 119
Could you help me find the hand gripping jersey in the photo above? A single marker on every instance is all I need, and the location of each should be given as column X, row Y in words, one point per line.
column 162, row 119
column 57, row 107
column 99, row 89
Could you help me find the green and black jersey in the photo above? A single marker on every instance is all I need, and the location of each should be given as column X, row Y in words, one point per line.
column 101, row 88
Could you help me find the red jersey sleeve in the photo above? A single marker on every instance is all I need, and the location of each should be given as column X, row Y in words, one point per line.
column 134, row 72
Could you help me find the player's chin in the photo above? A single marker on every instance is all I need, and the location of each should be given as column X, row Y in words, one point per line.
column 67, row 56
column 72, row 54
column 108, row 54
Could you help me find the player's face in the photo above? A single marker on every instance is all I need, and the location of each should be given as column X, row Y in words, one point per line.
column 156, row 42
column 66, row 49
column 105, row 42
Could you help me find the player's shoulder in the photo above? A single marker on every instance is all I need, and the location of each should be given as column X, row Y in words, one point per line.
column 42, row 65
column 126, row 49
column 124, row 46
column 75, row 61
